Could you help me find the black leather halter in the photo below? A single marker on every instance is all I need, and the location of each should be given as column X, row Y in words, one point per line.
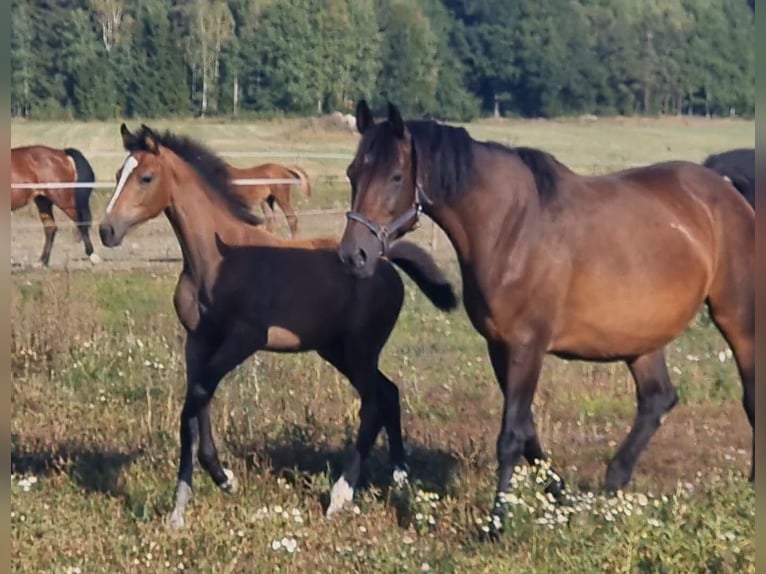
column 384, row 233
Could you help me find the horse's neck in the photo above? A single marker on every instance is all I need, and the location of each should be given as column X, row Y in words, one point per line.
column 197, row 215
column 479, row 223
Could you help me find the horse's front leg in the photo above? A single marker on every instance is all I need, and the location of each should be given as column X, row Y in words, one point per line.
column 517, row 368
column 204, row 372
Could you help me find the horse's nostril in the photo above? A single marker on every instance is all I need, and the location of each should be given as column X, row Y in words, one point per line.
column 361, row 257
column 106, row 232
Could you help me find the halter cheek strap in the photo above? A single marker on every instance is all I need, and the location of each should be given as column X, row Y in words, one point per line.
column 384, row 233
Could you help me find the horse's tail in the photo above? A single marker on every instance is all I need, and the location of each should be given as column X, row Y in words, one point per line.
column 424, row 271
column 305, row 181
column 83, row 174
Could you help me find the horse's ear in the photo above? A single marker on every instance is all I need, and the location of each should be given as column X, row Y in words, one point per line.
column 150, row 140
column 395, row 119
column 127, row 137
column 364, row 117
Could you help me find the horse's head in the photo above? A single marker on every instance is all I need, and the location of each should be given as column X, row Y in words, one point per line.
column 386, row 196
column 141, row 192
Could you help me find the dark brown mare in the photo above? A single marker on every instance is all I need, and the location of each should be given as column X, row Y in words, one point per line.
column 243, row 289
column 41, row 164
column 268, row 195
column 608, row 268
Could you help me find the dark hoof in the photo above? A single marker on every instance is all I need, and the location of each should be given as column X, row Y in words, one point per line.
column 557, row 489
column 617, row 478
column 491, row 533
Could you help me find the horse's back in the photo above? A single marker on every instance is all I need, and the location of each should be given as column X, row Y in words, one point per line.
column 40, row 163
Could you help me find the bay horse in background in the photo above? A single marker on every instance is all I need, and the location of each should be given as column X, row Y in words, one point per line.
column 42, row 164
column 738, row 166
column 270, row 194
column 243, row 289
column 595, row 268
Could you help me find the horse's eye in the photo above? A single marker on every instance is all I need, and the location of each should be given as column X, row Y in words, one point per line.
column 397, row 178
column 146, row 179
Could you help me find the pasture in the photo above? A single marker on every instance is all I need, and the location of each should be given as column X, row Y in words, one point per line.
column 98, row 385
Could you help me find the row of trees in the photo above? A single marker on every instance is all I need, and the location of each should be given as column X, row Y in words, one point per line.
column 453, row 59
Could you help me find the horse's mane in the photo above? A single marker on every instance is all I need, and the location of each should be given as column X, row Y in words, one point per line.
column 208, row 166
column 451, row 161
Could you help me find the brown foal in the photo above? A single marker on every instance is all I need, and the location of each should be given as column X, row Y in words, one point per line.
column 242, row 289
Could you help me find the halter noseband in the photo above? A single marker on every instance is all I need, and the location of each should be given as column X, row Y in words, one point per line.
column 383, row 233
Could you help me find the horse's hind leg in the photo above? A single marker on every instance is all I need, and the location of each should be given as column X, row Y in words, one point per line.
column 375, row 397
column 267, row 206
column 735, row 319
column 45, row 208
column 282, row 198
column 84, row 233
column 656, row 396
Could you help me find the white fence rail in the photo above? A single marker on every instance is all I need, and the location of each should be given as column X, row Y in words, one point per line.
column 251, row 153
column 110, row 185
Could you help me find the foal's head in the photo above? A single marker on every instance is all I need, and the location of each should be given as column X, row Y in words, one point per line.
column 157, row 165
column 141, row 192
column 385, row 192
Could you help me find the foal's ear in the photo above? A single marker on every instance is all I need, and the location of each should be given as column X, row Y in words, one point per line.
column 150, row 140
column 364, row 117
column 127, row 137
column 395, row 119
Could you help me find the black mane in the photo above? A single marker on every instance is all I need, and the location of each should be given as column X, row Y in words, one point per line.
column 208, row 166
column 449, row 158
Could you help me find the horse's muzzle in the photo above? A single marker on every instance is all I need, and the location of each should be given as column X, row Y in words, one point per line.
column 109, row 236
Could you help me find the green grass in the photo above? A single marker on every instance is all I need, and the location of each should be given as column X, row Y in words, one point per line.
column 98, row 382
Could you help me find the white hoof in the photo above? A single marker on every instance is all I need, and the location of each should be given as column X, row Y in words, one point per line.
column 94, row 258
column 401, row 478
column 342, row 492
column 231, row 485
column 176, row 520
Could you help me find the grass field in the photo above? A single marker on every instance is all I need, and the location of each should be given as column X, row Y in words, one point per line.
column 99, row 379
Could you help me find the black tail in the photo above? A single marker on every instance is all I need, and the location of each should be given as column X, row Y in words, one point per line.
column 84, row 174
column 421, row 267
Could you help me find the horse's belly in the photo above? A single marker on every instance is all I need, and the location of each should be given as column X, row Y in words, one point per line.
column 616, row 328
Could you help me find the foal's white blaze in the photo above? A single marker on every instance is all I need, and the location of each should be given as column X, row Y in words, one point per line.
column 127, row 168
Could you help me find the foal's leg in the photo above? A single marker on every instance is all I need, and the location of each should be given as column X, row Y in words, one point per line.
column 388, row 399
column 656, row 396
column 204, row 372
column 517, row 369
column 363, row 376
column 196, row 355
column 45, row 208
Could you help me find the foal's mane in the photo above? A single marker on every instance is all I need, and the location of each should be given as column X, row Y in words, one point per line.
column 451, row 161
column 208, row 166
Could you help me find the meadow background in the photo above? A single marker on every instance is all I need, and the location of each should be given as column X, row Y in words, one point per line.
column 98, row 382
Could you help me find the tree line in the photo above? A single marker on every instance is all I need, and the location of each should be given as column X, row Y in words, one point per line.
column 448, row 59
